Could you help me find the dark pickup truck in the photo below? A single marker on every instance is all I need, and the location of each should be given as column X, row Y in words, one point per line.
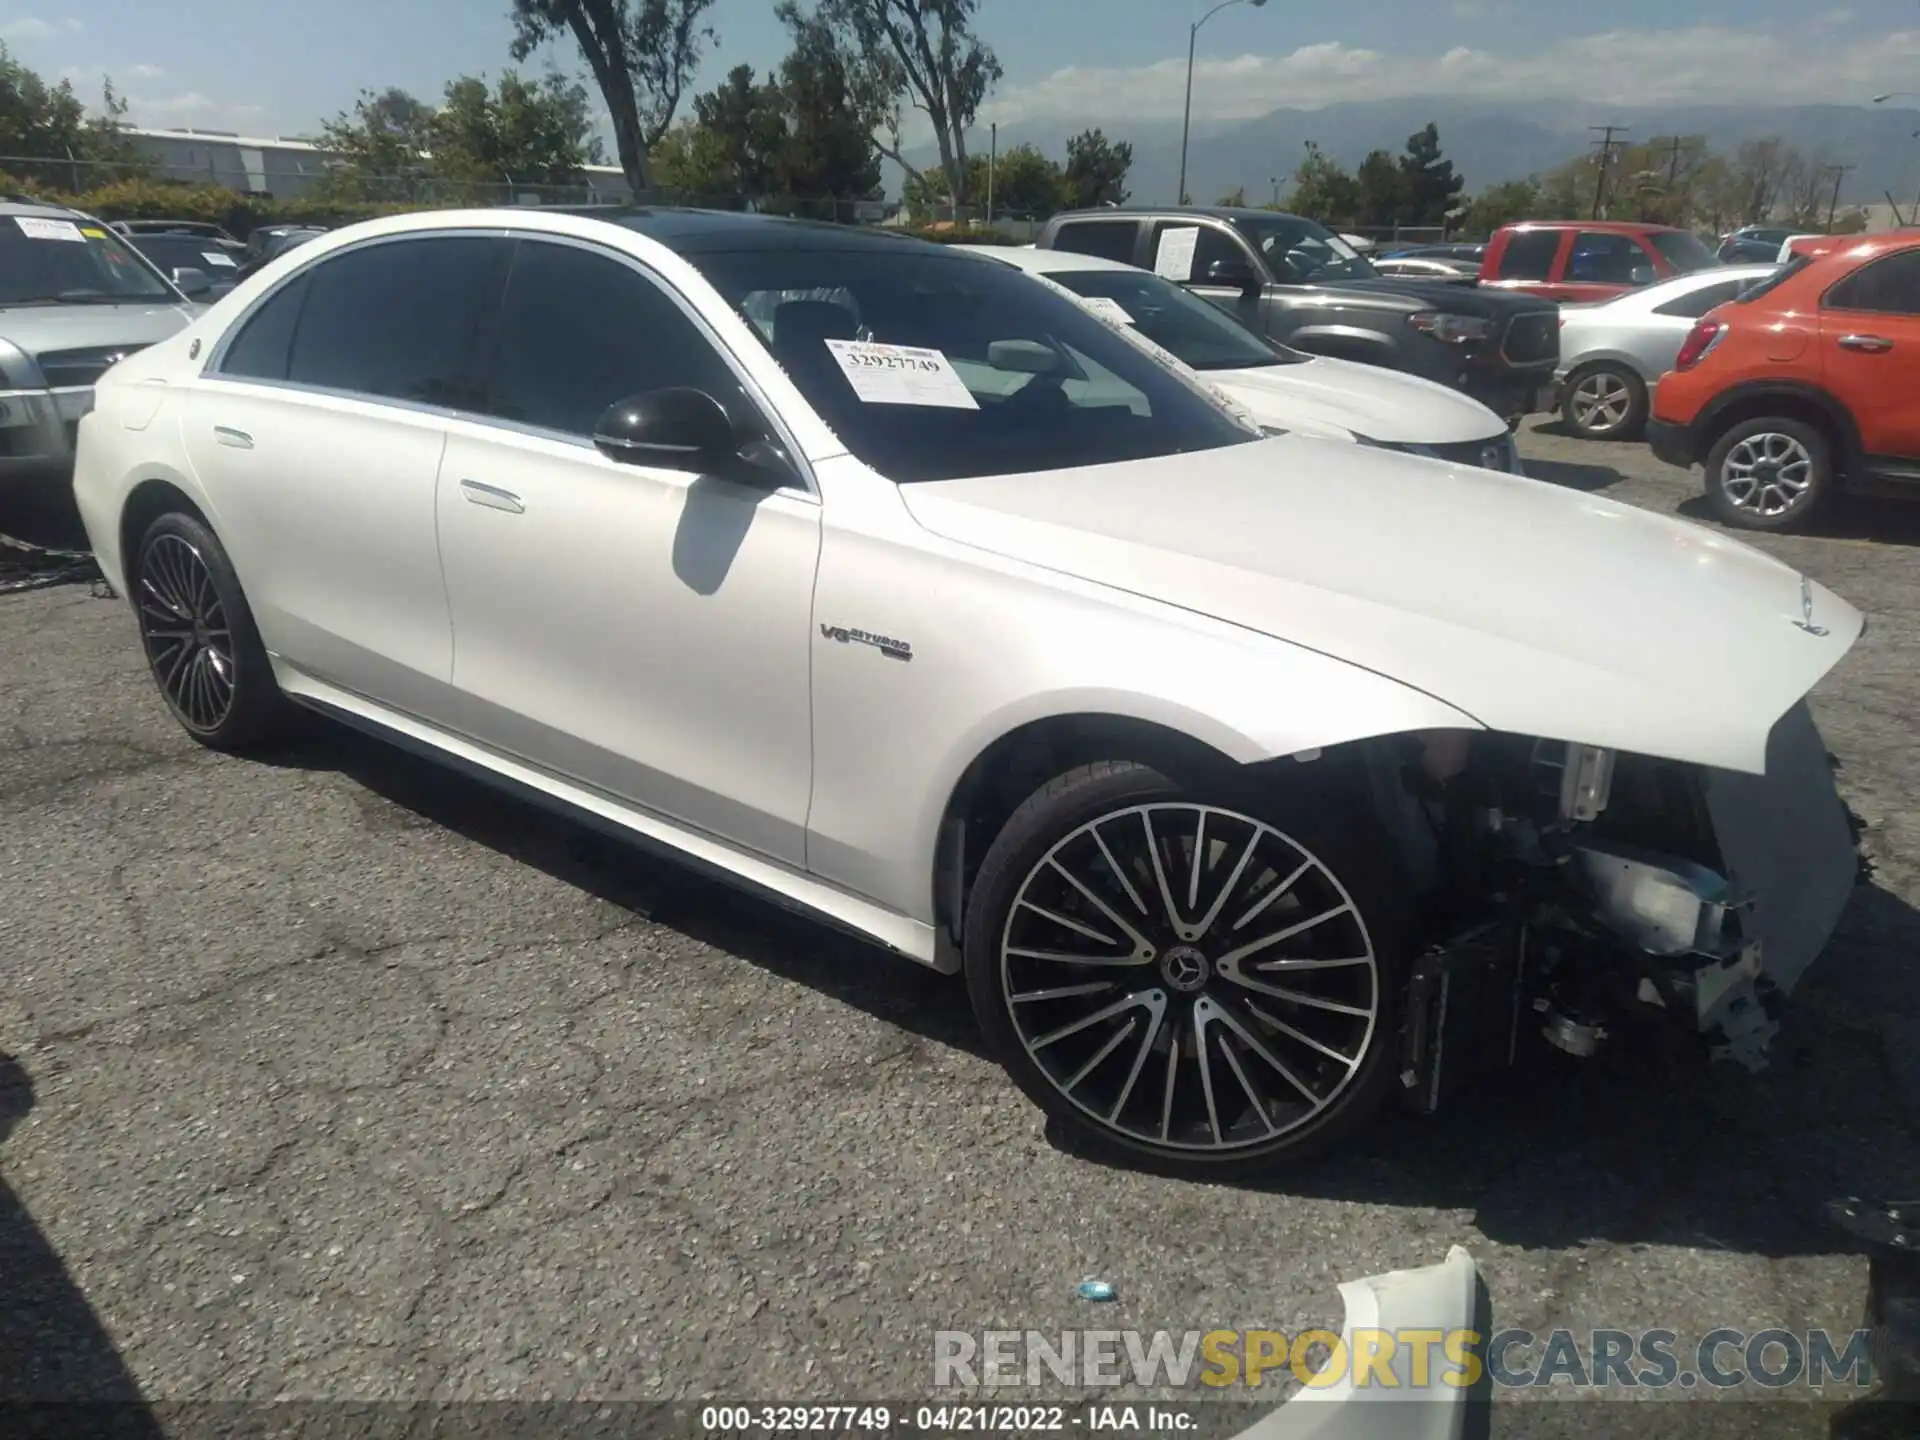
column 1293, row 279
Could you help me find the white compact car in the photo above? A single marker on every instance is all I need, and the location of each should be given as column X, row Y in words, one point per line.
column 1248, row 779
column 1280, row 388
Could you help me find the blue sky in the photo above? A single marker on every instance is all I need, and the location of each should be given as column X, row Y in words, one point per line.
column 281, row 68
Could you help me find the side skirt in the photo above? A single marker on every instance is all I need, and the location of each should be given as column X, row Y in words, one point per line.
column 791, row 890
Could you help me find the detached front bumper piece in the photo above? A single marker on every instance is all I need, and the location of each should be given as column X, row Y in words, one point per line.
column 1446, row 1298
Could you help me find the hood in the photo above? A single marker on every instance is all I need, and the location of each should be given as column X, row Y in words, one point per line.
column 1342, row 398
column 1442, row 295
column 42, row 329
column 1536, row 610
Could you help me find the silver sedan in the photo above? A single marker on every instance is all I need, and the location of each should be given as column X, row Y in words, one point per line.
column 1611, row 353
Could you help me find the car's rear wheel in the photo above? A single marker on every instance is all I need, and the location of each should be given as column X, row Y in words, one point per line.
column 1605, row 402
column 200, row 639
column 1769, row 473
column 1205, row 976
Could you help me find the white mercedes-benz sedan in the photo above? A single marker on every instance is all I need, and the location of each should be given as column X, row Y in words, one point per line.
column 1250, row 780
column 1280, row 388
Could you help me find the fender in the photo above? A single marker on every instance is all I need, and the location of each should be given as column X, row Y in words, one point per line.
column 1710, row 420
column 1344, row 342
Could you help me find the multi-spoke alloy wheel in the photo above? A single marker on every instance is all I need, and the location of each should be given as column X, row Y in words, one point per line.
column 1768, row 474
column 199, row 635
column 185, row 629
column 1186, row 977
column 1605, row 404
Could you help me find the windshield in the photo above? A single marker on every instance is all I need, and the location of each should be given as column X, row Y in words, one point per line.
column 1196, row 332
column 937, row 367
column 196, row 252
column 52, row 260
column 1298, row 250
column 1683, row 251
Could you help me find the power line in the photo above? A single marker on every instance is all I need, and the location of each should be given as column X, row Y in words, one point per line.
column 1605, row 146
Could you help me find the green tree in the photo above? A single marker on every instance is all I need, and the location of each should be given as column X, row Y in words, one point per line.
column 39, row 121
column 1322, row 190
column 1096, row 171
column 1431, row 185
column 833, row 112
column 1026, row 183
column 923, row 53
column 642, row 54
column 521, row 131
column 1235, row 198
column 690, row 163
column 746, row 118
column 1380, row 191
column 381, row 145
column 1502, row 204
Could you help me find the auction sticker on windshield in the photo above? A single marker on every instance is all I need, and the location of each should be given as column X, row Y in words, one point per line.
column 39, row 228
column 1109, row 310
column 214, row 257
column 901, row 375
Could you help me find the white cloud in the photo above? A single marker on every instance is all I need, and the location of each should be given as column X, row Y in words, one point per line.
column 1702, row 64
column 145, row 72
column 27, row 27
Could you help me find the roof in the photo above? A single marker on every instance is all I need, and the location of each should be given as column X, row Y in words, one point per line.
column 1047, row 262
column 707, row 232
column 1203, row 212
column 1608, row 227
column 27, row 205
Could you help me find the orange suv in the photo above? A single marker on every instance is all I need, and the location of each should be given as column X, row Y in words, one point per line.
column 1804, row 384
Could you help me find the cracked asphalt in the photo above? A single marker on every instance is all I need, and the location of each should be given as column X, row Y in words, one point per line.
column 338, row 1077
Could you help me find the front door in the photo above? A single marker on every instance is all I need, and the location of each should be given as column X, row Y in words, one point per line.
column 317, row 433
column 1195, row 255
column 642, row 630
column 1870, row 353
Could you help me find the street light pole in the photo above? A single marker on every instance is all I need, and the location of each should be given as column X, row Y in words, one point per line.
column 1186, row 123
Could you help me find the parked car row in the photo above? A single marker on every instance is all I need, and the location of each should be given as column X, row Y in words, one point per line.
column 1249, row 779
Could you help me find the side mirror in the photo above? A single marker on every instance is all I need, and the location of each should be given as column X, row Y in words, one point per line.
column 191, row 282
column 1237, row 273
column 680, row 429
column 1641, row 275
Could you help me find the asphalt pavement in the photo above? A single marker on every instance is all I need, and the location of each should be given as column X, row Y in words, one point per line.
column 336, row 1076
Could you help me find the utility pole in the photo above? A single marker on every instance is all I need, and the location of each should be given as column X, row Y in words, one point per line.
column 1833, row 205
column 993, row 164
column 1605, row 145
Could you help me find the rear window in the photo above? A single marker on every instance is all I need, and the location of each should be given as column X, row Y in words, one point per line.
column 1772, row 282
column 1529, row 254
column 1108, row 239
column 1683, row 251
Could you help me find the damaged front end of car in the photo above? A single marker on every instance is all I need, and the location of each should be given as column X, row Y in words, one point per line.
column 1568, row 893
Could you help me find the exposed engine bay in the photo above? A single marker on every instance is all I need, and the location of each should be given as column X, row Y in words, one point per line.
column 1568, row 893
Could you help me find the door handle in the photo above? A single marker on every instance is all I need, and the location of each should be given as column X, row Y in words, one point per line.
column 238, row 439
column 1871, row 344
column 493, row 497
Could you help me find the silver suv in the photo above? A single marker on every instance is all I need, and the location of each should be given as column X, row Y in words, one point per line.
column 75, row 298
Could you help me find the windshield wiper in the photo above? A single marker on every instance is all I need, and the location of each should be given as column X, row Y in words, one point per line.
column 97, row 297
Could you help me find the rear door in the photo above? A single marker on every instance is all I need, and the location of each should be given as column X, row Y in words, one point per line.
column 1115, row 239
column 1529, row 262
column 1870, row 353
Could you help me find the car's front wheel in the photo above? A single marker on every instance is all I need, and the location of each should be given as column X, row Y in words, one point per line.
column 1208, row 976
column 1770, row 473
column 199, row 636
column 1605, row 402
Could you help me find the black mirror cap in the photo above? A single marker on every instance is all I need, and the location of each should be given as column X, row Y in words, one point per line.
column 1232, row 272
column 680, row 428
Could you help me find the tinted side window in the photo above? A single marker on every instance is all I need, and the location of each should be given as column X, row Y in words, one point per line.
column 1210, row 247
column 1109, row 239
column 1529, row 254
column 399, row 320
column 581, row 331
column 1888, row 286
column 1693, row 306
column 259, row 351
column 1602, row 259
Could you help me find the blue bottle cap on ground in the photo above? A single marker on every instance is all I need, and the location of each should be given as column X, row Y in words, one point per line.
column 1096, row 1290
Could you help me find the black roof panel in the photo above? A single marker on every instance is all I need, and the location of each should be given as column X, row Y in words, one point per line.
column 695, row 232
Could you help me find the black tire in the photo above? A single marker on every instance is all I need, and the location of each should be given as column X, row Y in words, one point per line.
column 1618, row 409
column 199, row 637
column 1222, row 1130
column 1809, row 459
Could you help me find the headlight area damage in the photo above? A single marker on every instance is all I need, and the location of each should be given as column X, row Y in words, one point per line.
column 1566, row 892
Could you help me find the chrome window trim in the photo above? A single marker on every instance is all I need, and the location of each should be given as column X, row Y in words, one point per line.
column 808, row 487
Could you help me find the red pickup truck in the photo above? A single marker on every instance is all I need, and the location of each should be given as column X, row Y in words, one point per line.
column 1587, row 260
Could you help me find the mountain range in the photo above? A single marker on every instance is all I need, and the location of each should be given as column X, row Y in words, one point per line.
column 1488, row 141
